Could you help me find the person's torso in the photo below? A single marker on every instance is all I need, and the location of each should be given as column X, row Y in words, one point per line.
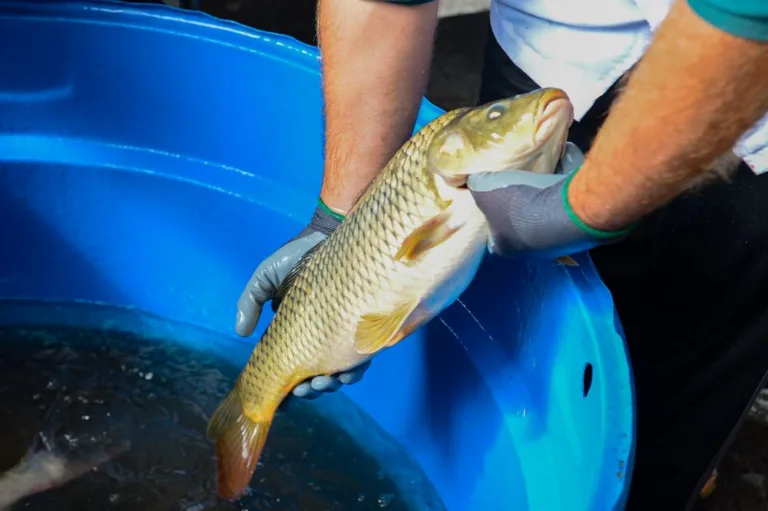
column 586, row 13
column 585, row 46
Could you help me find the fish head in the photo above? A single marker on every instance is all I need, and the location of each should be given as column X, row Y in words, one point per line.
column 524, row 132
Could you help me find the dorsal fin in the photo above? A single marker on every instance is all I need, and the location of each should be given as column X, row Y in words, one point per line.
column 289, row 279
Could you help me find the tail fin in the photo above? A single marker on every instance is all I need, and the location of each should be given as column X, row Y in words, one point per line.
column 239, row 442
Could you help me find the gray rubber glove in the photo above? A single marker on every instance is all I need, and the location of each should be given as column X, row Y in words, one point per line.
column 265, row 281
column 529, row 213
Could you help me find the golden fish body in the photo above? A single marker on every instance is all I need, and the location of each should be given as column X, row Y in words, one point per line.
column 361, row 287
column 407, row 249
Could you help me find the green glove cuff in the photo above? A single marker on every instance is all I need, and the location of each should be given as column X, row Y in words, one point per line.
column 336, row 216
column 595, row 233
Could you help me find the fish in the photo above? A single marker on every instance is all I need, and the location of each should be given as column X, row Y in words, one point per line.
column 410, row 245
column 46, row 465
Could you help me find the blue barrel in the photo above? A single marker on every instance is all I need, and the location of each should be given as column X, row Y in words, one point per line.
column 151, row 157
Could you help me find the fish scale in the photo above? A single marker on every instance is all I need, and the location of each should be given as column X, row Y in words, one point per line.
column 384, row 271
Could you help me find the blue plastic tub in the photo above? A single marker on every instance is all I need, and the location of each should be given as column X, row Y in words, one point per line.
column 150, row 157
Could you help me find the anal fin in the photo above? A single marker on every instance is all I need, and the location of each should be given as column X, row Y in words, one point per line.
column 239, row 443
column 428, row 235
column 380, row 330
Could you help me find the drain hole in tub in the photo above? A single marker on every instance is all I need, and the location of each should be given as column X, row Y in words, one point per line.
column 587, row 378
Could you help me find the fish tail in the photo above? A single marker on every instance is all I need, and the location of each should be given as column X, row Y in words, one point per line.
column 239, row 442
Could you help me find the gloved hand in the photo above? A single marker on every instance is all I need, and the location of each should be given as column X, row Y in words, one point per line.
column 265, row 281
column 529, row 213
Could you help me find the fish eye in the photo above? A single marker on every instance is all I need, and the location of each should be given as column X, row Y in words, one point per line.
column 495, row 112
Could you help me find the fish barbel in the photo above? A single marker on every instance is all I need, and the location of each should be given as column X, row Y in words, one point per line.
column 408, row 248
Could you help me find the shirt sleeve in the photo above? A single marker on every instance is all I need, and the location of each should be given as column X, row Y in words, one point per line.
column 742, row 18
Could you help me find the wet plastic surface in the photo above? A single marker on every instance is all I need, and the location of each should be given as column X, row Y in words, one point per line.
column 151, row 157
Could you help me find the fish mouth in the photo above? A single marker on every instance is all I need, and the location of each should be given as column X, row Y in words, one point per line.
column 555, row 113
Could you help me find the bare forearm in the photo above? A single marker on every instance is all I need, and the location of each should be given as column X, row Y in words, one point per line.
column 376, row 58
column 694, row 93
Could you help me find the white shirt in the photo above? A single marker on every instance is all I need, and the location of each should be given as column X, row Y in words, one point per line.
column 585, row 46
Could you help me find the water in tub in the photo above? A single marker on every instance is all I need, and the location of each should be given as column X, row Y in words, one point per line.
column 111, row 420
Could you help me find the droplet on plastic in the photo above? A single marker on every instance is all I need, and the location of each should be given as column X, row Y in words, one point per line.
column 148, row 376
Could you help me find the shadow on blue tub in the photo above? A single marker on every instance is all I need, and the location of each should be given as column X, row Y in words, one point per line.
column 150, row 157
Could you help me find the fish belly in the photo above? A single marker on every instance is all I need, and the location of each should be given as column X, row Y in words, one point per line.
column 453, row 285
column 454, row 265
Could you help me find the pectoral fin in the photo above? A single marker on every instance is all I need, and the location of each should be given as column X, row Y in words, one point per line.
column 417, row 318
column 380, row 330
column 566, row 260
column 429, row 235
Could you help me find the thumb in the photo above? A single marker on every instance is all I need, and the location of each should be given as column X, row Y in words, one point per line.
column 491, row 181
column 260, row 288
column 265, row 280
column 572, row 159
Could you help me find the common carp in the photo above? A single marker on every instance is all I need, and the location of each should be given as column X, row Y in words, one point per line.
column 408, row 248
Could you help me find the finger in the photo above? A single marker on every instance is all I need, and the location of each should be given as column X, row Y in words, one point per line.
column 304, row 390
column 355, row 374
column 248, row 305
column 504, row 209
column 260, row 288
column 263, row 284
column 572, row 159
column 326, row 383
column 247, row 318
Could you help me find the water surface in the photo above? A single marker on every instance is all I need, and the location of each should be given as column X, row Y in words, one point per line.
column 158, row 395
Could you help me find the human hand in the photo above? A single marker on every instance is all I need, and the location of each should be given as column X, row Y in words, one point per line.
column 529, row 213
column 267, row 278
